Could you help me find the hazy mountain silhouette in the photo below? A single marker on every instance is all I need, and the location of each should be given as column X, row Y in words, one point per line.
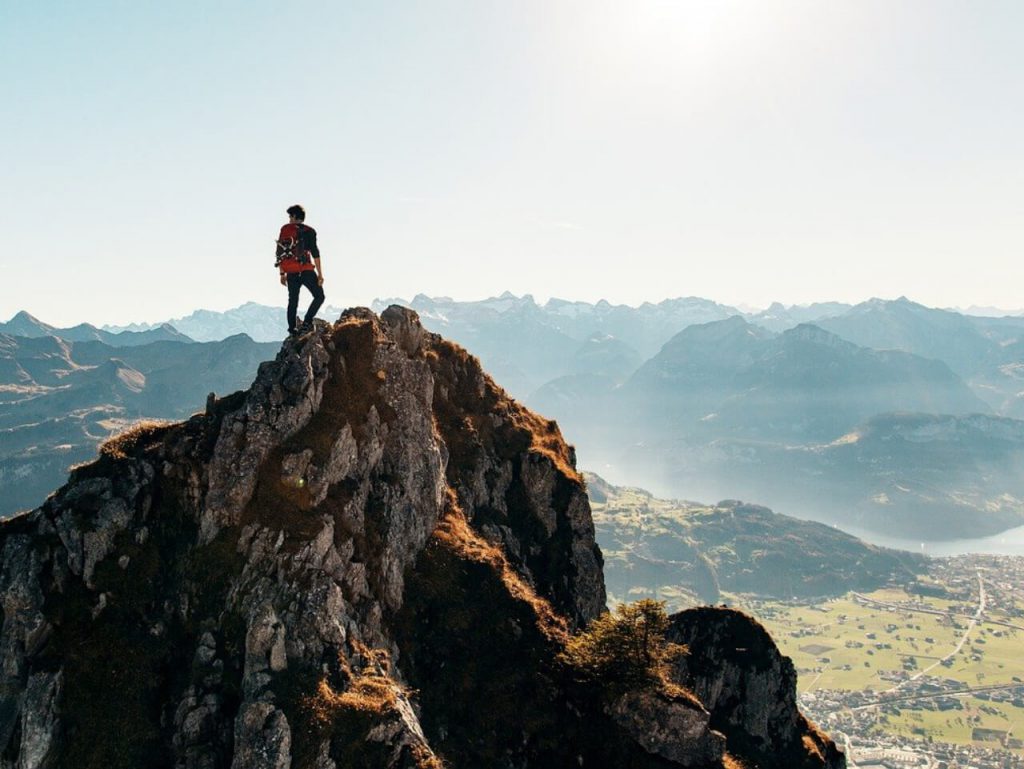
column 604, row 355
column 905, row 325
column 729, row 409
column 733, row 379
column 260, row 322
column 645, row 328
column 26, row 325
column 59, row 399
column 779, row 317
column 526, row 344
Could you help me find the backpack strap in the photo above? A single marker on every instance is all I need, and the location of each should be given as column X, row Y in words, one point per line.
column 300, row 250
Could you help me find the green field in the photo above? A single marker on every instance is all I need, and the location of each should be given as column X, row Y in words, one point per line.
column 842, row 644
column 954, row 726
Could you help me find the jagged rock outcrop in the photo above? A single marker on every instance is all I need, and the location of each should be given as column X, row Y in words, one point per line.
column 371, row 558
column 672, row 727
column 737, row 671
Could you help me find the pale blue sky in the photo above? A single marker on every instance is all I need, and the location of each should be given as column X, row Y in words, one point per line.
column 635, row 150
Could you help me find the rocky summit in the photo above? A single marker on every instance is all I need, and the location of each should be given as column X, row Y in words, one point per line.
column 373, row 557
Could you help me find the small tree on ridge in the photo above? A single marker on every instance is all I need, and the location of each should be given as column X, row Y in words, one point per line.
column 626, row 646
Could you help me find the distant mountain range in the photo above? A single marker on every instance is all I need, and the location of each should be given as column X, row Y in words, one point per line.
column 497, row 329
column 805, row 384
column 968, row 345
column 260, row 322
column 28, row 326
column 526, row 345
column 778, row 317
column 59, row 398
column 985, row 351
column 804, row 408
column 807, row 422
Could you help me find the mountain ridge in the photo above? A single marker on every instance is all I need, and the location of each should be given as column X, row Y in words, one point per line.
column 24, row 324
column 338, row 567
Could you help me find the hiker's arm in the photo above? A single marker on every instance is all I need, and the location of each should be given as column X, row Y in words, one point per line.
column 314, row 249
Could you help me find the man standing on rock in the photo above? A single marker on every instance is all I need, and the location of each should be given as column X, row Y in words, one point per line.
column 295, row 246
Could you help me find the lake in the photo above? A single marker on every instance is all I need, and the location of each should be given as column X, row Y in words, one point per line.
column 1010, row 542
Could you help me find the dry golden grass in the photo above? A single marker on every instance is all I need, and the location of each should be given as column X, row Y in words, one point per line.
column 137, row 436
column 677, row 692
column 454, row 532
column 547, row 439
column 368, row 694
column 813, row 748
column 731, row 762
column 370, row 690
column 814, row 740
column 474, row 399
column 425, row 759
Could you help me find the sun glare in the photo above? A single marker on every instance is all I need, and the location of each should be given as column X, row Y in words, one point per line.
column 657, row 40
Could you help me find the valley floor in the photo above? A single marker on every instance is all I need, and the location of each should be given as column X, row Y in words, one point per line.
column 931, row 670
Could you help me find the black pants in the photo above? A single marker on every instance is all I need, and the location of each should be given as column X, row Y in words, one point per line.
column 296, row 280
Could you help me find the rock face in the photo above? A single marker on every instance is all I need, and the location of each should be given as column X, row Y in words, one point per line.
column 670, row 727
column 736, row 670
column 371, row 558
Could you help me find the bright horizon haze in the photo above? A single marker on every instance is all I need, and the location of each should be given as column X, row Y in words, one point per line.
column 746, row 151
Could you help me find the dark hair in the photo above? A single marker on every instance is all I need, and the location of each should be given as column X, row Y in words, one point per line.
column 298, row 212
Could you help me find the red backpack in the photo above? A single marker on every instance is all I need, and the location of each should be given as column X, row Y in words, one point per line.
column 291, row 249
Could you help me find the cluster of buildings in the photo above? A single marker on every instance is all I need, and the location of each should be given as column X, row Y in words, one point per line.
column 1003, row 575
column 857, row 720
column 853, row 722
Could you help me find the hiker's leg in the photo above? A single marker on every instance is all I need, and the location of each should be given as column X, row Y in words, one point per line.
column 310, row 281
column 294, row 283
